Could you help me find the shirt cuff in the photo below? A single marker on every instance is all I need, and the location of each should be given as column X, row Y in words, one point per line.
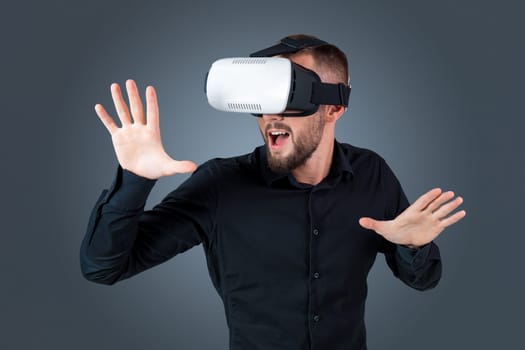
column 129, row 191
column 415, row 257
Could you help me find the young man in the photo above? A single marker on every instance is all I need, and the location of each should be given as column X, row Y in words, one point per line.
column 290, row 231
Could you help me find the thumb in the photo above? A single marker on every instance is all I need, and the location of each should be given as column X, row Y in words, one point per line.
column 371, row 224
column 180, row 167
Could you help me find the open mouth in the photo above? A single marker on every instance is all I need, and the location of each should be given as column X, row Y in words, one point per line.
column 277, row 138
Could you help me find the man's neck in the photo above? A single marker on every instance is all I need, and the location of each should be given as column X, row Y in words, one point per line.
column 317, row 166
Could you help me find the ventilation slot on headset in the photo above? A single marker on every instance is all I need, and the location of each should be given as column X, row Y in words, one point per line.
column 244, row 106
column 249, row 61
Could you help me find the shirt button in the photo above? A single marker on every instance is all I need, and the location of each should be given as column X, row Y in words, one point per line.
column 316, row 318
column 316, row 232
column 316, row 274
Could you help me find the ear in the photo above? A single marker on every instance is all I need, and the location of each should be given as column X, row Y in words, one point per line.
column 333, row 112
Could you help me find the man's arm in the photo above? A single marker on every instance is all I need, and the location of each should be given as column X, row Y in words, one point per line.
column 409, row 230
column 108, row 251
column 418, row 268
column 122, row 239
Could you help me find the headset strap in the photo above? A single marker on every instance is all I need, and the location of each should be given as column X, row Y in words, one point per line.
column 330, row 94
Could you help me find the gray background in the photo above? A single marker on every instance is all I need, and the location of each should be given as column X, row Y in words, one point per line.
column 437, row 91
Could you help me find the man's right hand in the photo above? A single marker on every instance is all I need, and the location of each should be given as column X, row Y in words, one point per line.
column 137, row 142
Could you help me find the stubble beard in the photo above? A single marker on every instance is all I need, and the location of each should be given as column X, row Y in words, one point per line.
column 304, row 145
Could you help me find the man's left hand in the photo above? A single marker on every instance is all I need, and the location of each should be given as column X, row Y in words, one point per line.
column 421, row 222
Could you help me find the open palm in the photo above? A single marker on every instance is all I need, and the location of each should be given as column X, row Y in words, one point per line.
column 421, row 222
column 137, row 142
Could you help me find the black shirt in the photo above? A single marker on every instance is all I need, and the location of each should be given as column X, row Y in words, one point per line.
column 289, row 260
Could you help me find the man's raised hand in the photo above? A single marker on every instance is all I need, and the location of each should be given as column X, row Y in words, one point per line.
column 137, row 142
column 421, row 222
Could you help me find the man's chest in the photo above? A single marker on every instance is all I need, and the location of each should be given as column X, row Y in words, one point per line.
column 283, row 233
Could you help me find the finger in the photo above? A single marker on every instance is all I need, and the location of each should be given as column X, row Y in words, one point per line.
column 367, row 223
column 453, row 218
column 106, row 119
column 120, row 104
column 378, row 226
column 185, row 166
column 137, row 111
column 180, row 167
column 447, row 208
column 152, row 107
column 436, row 203
column 422, row 202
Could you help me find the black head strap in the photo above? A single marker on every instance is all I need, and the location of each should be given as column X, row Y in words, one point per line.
column 330, row 94
column 288, row 45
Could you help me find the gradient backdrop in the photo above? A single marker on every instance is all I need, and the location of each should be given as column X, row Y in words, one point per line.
column 437, row 91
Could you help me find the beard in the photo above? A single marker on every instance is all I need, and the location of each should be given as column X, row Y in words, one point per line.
column 304, row 145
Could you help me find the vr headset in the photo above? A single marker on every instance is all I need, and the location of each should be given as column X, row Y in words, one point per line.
column 262, row 84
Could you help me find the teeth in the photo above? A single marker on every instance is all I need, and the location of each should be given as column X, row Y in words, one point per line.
column 277, row 133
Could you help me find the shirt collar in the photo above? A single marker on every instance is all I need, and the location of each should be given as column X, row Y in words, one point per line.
column 339, row 169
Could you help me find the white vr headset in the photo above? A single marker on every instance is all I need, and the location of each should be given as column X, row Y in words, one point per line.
column 271, row 85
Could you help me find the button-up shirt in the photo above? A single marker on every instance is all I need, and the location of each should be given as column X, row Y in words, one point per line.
column 289, row 260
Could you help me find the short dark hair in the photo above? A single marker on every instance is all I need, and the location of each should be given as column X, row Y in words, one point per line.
column 327, row 57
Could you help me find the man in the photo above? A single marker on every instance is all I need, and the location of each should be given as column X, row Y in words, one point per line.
column 290, row 231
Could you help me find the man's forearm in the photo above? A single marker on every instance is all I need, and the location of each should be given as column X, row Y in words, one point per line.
column 419, row 268
column 107, row 249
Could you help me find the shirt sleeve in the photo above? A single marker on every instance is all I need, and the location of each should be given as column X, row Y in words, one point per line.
column 122, row 239
column 418, row 268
